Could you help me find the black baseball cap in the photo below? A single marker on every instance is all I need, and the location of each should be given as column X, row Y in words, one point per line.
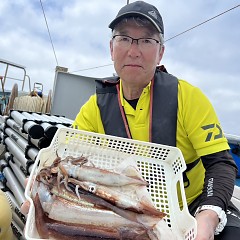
column 140, row 8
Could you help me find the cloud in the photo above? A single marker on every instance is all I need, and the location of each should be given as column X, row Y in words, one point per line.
column 207, row 56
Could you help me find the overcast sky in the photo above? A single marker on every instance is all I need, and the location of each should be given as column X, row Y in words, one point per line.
column 207, row 56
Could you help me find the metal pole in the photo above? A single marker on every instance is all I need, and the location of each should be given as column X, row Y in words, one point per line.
column 12, row 182
column 41, row 117
column 17, row 152
column 60, row 126
column 53, row 118
column 17, row 220
column 28, row 116
column 1, row 135
column 18, row 173
column 41, row 142
column 30, row 127
column 14, row 205
column 66, row 120
column 49, row 130
column 18, row 117
column 17, row 231
column 12, row 124
column 32, row 153
column 2, row 126
column 5, row 76
column 10, row 157
column 22, row 143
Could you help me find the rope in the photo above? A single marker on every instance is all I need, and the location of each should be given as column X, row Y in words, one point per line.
column 29, row 103
column 14, row 94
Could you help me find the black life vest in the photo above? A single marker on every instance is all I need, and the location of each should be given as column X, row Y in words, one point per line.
column 164, row 108
column 163, row 122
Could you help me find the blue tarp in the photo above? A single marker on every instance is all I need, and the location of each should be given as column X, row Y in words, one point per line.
column 235, row 152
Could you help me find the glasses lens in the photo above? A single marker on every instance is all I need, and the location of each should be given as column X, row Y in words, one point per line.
column 146, row 42
column 143, row 43
column 123, row 41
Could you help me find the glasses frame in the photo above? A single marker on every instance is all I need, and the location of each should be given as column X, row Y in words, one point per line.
column 135, row 39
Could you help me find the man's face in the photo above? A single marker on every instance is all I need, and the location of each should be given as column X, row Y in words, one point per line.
column 135, row 65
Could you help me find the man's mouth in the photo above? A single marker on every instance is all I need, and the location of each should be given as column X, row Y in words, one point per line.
column 133, row 65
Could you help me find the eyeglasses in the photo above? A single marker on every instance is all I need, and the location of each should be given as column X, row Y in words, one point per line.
column 144, row 43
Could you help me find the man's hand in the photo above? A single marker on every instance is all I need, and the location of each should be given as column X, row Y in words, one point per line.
column 26, row 205
column 207, row 221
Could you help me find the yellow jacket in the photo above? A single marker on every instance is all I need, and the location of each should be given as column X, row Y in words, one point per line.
column 198, row 129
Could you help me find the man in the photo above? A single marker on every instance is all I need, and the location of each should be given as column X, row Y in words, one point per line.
column 145, row 103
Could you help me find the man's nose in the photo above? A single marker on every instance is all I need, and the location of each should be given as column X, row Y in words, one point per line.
column 134, row 49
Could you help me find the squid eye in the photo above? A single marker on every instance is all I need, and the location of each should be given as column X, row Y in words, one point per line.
column 92, row 189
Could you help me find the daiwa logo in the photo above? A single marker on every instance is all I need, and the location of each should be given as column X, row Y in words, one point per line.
column 153, row 13
column 210, row 187
column 210, row 132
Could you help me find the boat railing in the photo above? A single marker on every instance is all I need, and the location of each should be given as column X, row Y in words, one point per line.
column 5, row 77
column 9, row 69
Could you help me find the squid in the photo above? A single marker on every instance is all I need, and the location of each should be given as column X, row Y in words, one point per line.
column 71, row 205
column 93, row 174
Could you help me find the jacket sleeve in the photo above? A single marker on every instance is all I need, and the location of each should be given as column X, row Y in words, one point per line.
column 219, row 181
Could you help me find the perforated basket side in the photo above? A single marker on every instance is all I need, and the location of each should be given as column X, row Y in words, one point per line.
column 162, row 166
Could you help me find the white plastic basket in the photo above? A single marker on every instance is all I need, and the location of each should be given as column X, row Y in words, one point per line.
column 160, row 165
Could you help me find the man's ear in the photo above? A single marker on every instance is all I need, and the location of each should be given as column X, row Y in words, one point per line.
column 162, row 48
column 111, row 49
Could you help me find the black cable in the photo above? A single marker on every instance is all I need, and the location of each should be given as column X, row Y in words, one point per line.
column 92, row 68
column 49, row 32
column 170, row 37
column 201, row 23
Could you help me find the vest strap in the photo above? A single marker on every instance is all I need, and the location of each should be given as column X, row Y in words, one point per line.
column 165, row 108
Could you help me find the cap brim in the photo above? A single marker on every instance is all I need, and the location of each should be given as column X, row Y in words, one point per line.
column 120, row 17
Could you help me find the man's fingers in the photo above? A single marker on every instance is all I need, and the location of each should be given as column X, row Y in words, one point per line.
column 25, row 207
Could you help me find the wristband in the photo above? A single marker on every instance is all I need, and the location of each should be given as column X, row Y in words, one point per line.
column 221, row 215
